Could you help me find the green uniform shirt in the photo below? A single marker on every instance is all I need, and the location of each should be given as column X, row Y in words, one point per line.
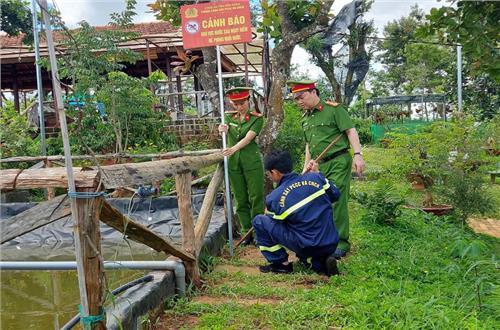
column 248, row 158
column 322, row 125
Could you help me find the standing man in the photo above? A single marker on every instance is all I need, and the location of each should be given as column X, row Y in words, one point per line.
column 322, row 122
column 298, row 217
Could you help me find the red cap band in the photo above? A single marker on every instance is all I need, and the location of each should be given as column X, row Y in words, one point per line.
column 302, row 87
column 240, row 95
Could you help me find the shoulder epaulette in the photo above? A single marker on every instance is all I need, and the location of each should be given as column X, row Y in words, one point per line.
column 256, row 114
column 231, row 112
column 332, row 103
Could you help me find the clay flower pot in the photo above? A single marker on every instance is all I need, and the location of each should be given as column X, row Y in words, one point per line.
column 435, row 209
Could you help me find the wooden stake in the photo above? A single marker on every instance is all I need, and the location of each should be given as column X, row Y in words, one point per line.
column 207, row 208
column 183, row 186
column 51, row 192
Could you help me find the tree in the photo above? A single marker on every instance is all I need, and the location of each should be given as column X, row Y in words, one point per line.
column 355, row 47
column 413, row 65
column 16, row 19
column 91, row 54
column 289, row 23
column 474, row 25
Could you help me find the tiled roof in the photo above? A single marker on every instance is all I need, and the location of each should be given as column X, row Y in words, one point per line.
column 142, row 28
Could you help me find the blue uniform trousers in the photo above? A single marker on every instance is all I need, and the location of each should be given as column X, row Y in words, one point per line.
column 272, row 236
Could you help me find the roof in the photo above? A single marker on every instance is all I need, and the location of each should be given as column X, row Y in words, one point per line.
column 163, row 39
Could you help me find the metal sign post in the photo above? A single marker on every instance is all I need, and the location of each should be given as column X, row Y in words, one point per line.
column 41, row 116
column 213, row 24
column 224, row 145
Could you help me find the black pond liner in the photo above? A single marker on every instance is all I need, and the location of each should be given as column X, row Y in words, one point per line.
column 55, row 241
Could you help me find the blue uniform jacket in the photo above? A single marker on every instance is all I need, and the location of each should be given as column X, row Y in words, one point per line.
column 304, row 204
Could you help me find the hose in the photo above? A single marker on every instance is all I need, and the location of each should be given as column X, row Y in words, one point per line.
column 148, row 278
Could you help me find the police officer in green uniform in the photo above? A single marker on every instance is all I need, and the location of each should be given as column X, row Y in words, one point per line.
column 246, row 170
column 322, row 122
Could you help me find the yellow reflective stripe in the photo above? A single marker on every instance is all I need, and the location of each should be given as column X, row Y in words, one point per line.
column 303, row 202
column 271, row 248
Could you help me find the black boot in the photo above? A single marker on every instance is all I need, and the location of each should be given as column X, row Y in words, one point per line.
column 248, row 241
column 277, row 268
column 331, row 266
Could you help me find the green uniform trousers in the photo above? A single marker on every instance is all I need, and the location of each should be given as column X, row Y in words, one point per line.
column 248, row 191
column 338, row 170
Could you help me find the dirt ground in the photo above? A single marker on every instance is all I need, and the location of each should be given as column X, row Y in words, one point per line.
column 247, row 261
column 487, row 226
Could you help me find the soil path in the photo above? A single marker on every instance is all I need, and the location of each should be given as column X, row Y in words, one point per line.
column 487, row 226
column 235, row 272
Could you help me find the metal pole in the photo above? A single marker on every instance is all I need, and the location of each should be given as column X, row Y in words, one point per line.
column 39, row 82
column 459, row 77
column 67, row 156
column 226, row 172
column 246, row 64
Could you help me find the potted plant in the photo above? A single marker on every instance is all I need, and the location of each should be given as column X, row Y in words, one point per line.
column 440, row 156
column 419, row 163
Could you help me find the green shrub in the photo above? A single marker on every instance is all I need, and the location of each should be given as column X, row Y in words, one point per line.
column 16, row 134
column 381, row 206
column 363, row 129
column 291, row 136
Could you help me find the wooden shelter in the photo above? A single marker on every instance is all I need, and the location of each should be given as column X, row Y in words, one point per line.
column 157, row 41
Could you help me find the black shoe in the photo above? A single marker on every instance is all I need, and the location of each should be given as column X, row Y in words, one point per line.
column 339, row 253
column 331, row 266
column 277, row 268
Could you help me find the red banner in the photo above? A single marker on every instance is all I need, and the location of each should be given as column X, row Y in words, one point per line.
column 216, row 23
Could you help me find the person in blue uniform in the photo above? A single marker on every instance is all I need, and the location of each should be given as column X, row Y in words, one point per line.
column 298, row 217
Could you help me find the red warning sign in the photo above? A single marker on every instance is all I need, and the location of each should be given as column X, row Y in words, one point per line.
column 216, row 23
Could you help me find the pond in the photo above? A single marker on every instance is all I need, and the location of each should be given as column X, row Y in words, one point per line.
column 49, row 299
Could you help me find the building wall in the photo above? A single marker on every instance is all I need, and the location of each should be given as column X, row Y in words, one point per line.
column 195, row 130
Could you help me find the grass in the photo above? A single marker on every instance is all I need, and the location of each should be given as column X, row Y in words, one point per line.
column 406, row 275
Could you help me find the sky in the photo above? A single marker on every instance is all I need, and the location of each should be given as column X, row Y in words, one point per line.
column 96, row 12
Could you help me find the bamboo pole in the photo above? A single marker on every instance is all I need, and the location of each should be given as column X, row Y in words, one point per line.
column 67, row 153
column 207, row 208
column 183, row 186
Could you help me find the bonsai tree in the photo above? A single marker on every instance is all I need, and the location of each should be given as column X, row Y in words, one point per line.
column 418, row 159
column 446, row 157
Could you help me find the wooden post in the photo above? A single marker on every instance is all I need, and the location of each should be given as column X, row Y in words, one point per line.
column 51, row 192
column 170, row 87
column 151, row 87
column 183, row 186
column 87, row 227
column 179, row 90
column 15, row 89
column 207, row 207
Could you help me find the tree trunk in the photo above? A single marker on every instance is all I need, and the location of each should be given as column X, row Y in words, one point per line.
column 207, row 75
column 280, row 59
column 280, row 71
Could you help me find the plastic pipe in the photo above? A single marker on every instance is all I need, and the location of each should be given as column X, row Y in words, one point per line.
column 176, row 266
